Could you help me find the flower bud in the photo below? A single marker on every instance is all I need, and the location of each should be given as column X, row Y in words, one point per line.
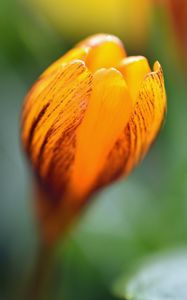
column 88, row 120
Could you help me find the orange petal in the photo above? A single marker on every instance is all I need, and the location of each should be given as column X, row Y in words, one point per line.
column 48, row 129
column 74, row 54
column 107, row 114
column 140, row 131
column 154, row 85
column 101, row 50
column 106, row 51
column 134, row 70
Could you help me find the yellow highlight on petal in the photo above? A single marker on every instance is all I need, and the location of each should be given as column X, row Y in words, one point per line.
column 108, row 112
column 106, row 51
column 134, row 70
column 106, row 55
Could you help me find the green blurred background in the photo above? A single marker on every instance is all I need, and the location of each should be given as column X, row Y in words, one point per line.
column 135, row 217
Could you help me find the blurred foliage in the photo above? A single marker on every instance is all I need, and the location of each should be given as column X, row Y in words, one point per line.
column 136, row 217
column 124, row 18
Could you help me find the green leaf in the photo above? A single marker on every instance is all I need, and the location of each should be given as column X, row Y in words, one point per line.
column 161, row 277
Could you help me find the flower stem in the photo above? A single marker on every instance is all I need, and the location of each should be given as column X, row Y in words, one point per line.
column 41, row 274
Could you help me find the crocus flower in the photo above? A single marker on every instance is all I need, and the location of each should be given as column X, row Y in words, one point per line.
column 88, row 120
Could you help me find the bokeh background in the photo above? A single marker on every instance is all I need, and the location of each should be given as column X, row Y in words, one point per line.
column 129, row 220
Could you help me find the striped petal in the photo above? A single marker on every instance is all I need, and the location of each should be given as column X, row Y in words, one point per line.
column 53, row 110
column 141, row 130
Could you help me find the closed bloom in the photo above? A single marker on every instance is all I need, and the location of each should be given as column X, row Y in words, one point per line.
column 89, row 119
